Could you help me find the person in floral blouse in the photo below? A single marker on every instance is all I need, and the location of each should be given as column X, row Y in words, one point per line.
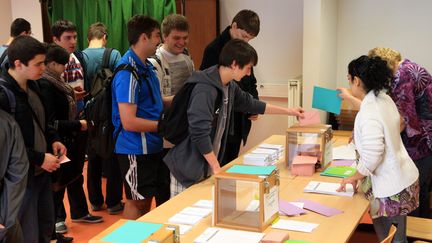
column 411, row 90
column 389, row 177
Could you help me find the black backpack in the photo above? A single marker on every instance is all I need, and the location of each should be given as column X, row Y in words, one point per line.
column 102, row 75
column 10, row 96
column 98, row 114
column 173, row 124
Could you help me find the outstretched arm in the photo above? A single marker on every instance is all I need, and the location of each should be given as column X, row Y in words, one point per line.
column 274, row 109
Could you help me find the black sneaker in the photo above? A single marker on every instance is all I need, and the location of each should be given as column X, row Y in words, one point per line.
column 60, row 227
column 63, row 239
column 97, row 207
column 118, row 208
column 89, row 219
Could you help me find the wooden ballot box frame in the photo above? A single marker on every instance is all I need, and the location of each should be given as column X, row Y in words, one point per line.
column 324, row 134
column 166, row 234
column 225, row 203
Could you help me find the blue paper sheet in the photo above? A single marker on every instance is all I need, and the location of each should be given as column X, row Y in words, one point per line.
column 252, row 170
column 132, row 232
column 327, row 100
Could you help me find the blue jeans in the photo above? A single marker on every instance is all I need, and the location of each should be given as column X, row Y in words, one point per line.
column 36, row 215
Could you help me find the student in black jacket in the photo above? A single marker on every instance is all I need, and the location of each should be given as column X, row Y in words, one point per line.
column 59, row 100
column 245, row 26
column 26, row 60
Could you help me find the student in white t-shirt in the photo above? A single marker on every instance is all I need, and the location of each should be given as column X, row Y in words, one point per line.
column 172, row 61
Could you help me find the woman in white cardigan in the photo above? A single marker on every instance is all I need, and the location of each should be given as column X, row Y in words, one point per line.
column 389, row 176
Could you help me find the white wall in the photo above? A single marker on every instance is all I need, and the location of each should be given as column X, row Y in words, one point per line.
column 5, row 19
column 402, row 25
column 31, row 11
column 279, row 43
column 27, row 9
column 319, row 48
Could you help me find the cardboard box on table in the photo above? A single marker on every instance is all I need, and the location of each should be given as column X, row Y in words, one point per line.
column 234, row 194
column 309, row 140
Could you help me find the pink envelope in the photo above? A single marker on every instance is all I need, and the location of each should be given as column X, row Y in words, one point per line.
column 310, row 118
column 342, row 162
column 319, row 208
column 288, row 209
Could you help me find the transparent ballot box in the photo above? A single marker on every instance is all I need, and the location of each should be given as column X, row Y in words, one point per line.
column 310, row 140
column 246, row 201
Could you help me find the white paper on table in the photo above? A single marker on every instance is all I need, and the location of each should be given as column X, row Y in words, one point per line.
column 271, row 203
column 202, row 212
column 328, row 188
column 344, row 152
column 184, row 219
column 184, row 228
column 218, row 235
column 204, row 204
column 297, row 204
column 286, row 224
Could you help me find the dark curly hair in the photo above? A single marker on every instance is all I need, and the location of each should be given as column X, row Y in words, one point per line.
column 373, row 71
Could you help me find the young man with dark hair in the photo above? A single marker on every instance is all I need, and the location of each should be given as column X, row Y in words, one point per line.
column 26, row 59
column 93, row 55
column 244, row 26
column 13, row 178
column 18, row 27
column 199, row 154
column 65, row 35
column 137, row 105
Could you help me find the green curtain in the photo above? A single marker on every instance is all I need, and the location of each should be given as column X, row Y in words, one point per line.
column 113, row 13
column 123, row 10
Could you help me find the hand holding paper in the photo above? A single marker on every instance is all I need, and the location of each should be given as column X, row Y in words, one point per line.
column 310, row 118
column 327, row 100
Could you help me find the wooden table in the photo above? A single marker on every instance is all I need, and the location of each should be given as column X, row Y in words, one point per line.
column 338, row 228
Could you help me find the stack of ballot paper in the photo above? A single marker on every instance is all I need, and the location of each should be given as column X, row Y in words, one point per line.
column 257, row 159
column 278, row 147
column 272, row 153
column 328, row 188
column 190, row 216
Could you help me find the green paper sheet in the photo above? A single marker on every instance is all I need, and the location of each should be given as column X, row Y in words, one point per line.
column 252, row 170
column 132, row 232
column 339, row 171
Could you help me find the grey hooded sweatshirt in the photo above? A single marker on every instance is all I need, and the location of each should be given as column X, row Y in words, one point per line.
column 185, row 160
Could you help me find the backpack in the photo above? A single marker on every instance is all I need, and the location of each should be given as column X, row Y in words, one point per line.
column 98, row 112
column 173, row 124
column 10, row 96
column 102, row 75
column 3, row 57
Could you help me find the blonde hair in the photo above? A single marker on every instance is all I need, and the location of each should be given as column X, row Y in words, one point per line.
column 392, row 57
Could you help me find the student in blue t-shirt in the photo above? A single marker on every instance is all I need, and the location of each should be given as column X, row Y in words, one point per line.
column 137, row 105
